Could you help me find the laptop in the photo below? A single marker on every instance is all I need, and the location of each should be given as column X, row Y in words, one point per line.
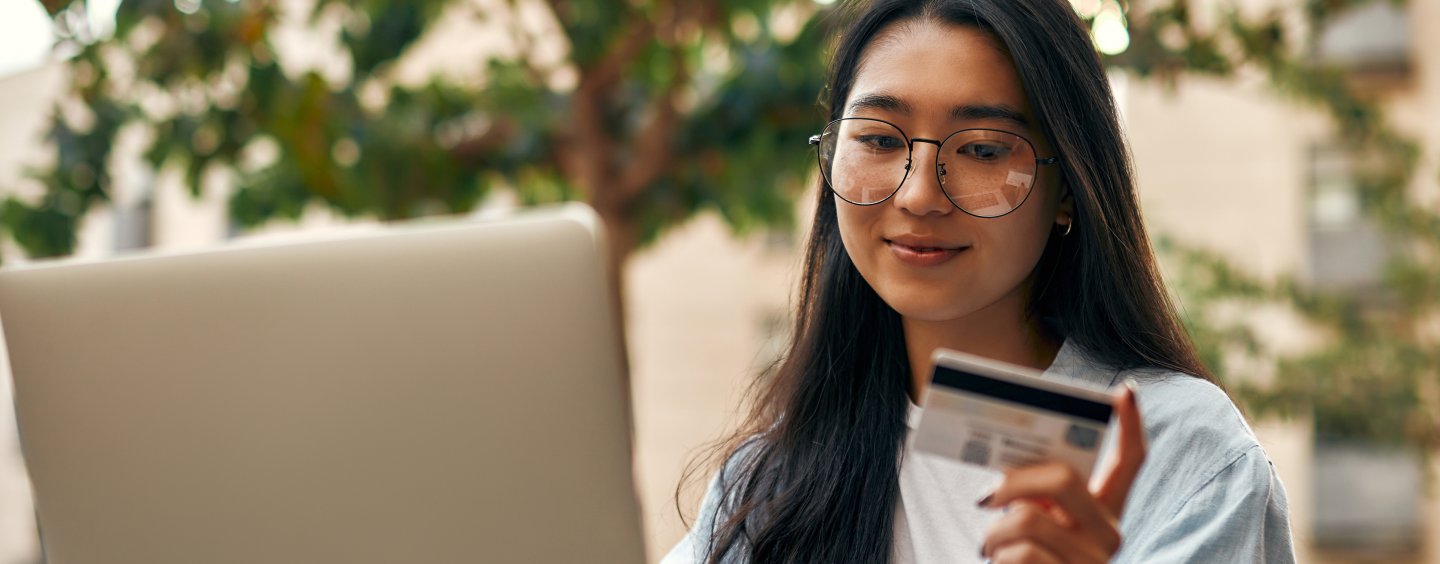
column 434, row 393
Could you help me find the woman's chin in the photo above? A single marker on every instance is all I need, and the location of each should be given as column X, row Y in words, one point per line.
column 928, row 310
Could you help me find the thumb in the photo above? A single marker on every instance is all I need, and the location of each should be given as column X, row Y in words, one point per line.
column 1130, row 454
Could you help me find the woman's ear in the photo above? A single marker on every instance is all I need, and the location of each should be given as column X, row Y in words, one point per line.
column 1066, row 211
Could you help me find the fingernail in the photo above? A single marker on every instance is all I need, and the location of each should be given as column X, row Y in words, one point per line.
column 982, row 552
column 984, row 501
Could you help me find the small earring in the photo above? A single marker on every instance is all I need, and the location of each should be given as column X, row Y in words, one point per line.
column 1068, row 226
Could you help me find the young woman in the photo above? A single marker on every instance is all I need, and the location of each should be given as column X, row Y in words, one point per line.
column 977, row 195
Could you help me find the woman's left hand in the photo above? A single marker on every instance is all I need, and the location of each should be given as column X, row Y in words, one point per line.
column 1053, row 515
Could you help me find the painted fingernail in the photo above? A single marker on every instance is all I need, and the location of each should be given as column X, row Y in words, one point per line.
column 982, row 551
column 984, row 501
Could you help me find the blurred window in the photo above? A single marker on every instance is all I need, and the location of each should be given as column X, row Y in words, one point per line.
column 1365, row 500
column 1348, row 251
column 1371, row 41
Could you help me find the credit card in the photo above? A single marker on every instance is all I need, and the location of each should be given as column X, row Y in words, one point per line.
column 998, row 415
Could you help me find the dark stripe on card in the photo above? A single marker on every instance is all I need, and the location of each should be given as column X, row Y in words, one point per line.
column 1025, row 395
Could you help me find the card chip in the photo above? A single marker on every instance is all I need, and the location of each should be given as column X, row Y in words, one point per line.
column 1081, row 437
column 976, row 452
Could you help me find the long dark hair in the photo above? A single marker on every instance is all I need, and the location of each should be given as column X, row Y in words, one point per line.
column 811, row 476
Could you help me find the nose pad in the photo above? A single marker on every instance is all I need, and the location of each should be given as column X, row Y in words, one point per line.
column 941, row 168
column 917, row 193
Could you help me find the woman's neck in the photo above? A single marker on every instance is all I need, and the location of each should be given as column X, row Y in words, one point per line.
column 1004, row 336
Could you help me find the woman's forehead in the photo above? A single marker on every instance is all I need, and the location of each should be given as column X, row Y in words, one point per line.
column 932, row 70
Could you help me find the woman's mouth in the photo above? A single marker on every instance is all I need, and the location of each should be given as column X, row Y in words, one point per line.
column 920, row 255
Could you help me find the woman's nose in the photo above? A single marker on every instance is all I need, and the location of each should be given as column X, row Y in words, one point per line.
column 921, row 193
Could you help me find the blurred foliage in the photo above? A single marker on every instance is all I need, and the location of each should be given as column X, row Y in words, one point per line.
column 657, row 109
column 1376, row 377
column 651, row 113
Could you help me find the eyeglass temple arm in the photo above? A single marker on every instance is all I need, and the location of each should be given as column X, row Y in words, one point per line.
column 1047, row 160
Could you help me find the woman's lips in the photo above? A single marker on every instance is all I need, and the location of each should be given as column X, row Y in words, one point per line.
column 922, row 256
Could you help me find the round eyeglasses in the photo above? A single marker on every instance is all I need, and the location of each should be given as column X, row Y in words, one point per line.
column 983, row 172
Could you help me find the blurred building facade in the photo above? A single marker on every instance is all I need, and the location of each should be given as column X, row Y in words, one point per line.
column 1234, row 167
column 707, row 310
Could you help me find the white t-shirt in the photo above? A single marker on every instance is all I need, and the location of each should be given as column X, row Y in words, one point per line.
column 936, row 517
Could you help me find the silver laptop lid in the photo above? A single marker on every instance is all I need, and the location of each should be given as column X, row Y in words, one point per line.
column 444, row 393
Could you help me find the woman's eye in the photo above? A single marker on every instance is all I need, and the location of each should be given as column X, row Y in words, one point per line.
column 881, row 141
column 984, row 151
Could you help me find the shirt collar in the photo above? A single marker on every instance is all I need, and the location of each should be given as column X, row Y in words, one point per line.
column 1071, row 363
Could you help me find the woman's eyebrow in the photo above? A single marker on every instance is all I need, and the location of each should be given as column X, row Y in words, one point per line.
column 879, row 101
column 961, row 112
column 990, row 111
column 965, row 112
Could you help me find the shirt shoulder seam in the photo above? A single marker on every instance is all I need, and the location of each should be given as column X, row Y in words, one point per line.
column 1208, row 481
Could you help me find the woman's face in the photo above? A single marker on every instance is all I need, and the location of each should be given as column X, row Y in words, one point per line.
column 932, row 79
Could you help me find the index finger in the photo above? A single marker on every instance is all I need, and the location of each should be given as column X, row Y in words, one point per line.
column 1129, row 455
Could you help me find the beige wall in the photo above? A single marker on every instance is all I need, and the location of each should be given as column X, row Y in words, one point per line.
column 698, row 304
column 1223, row 165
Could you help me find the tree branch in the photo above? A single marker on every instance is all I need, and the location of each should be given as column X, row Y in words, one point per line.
column 497, row 135
column 654, row 148
column 590, row 137
column 609, row 69
column 54, row 7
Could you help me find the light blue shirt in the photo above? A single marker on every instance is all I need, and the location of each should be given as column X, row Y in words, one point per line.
column 1206, row 493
